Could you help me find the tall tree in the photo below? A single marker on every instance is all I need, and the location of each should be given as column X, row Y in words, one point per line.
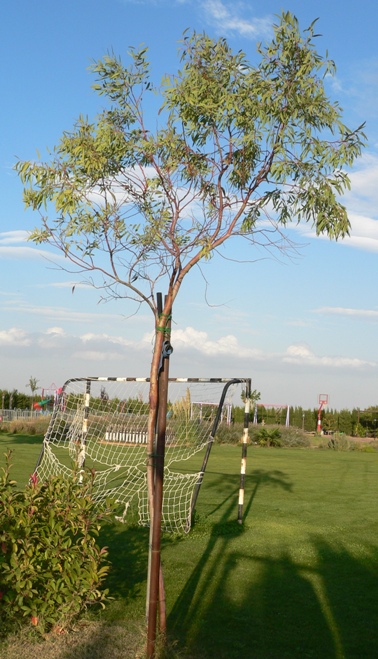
column 235, row 150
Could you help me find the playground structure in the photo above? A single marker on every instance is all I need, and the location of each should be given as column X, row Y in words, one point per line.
column 41, row 405
column 49, row 397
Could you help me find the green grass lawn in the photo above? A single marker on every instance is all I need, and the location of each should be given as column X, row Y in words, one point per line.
column 298, row 579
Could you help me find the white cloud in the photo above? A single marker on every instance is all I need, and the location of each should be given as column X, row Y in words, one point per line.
column 59, row 313
column 54, row 355
column 362, row 200
column 297, row 354
column 345, row 311
column 301, row 354
column 96, row 356
column 363, row 227
column 11, row 237
column 190, row 338
column 66, row 284
column 10, row 248
column 56, row 331
column 27, row 253
column 364, row 179
column 228, row 18
column 362, row 206
column 106, row 338
column 14, row 337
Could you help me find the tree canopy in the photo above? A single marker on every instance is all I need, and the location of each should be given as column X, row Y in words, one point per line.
column 236, row 150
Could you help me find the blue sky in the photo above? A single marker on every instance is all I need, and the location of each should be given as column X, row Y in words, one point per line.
column 298, row 327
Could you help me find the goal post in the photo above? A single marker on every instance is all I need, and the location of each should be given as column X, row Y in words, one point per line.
column 211, row 439
column 101, row 423
column 276, row 408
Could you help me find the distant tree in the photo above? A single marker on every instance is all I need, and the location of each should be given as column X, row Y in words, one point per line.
column 254, row 397
column 33, row 384
column 359, row 430
column 345, row 422
column 240, row 151
column 329, row 422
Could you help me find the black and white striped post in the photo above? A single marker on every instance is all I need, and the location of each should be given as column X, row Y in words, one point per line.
column 84, row 431
column 243, row 467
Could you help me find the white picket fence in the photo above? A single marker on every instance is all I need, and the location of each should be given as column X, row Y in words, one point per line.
column 127, row 437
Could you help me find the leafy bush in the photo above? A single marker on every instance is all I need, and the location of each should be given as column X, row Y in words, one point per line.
column 341, row 443
column 286, row 436
column 268, row 437
column 359, row 430
column 229, row 434
column 51, row 567
column 292, row 437
column 368, row 448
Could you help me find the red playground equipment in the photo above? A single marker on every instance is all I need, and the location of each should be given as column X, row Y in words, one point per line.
column 41, row 404
column 49, row 396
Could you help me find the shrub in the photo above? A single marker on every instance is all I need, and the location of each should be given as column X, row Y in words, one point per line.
column 286, row 436
column 292, row 437
column 229, row 434
column 268, row 437
column 359, row 430
column 51, row 568
column 367, row 448
column 34, row 426
column 341, row 443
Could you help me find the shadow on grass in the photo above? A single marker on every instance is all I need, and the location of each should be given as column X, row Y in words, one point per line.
column 326, row 607
column 221, row 534
column 128, row 549
column 257, row 479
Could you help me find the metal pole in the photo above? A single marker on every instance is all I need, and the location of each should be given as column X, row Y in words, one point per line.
column 51, row 426
column 208, row 448
column 83, row 439
column 243, row 467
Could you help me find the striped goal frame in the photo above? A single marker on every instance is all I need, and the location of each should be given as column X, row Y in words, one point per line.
column 101, row 423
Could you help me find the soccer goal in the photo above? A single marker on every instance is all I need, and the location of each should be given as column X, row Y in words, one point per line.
column 101, row 424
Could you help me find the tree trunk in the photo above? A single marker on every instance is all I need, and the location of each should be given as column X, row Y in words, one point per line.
column 155, row 590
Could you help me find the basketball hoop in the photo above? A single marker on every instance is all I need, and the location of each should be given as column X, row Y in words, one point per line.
column 323, row 399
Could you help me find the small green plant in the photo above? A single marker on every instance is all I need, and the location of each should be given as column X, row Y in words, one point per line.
column 51, row 568
column 269, row 437
column 340, row 442
column 359, row 430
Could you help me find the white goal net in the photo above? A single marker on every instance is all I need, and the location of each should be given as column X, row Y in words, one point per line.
column 101, row 423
